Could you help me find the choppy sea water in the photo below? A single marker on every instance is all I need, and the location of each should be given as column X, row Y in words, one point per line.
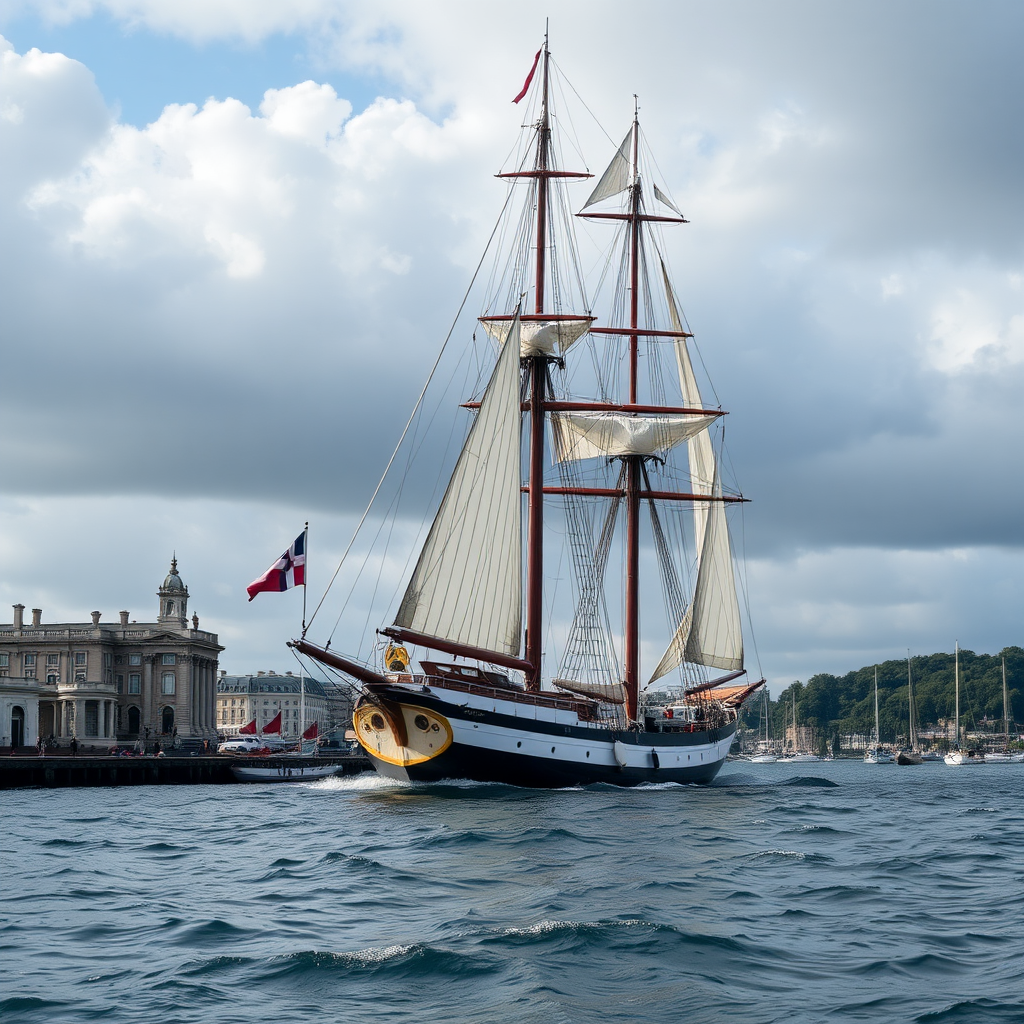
column 816, row 892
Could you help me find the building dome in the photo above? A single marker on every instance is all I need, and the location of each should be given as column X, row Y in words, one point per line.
column 173, row 581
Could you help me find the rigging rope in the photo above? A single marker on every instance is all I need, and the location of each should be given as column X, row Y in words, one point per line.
column 412, row 416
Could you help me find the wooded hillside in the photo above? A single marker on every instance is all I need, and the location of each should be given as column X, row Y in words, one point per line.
column 845, row 704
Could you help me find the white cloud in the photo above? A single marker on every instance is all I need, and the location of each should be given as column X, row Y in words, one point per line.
column 306, row 111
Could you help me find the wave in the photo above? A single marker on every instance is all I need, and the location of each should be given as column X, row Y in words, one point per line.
column 971, row 1011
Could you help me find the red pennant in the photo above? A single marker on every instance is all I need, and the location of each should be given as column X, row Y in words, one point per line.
column 529, row 78
column 312, row 732
column 248, row 730
column 274, row 725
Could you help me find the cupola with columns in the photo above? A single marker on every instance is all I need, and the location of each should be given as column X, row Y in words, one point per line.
column 173, row 595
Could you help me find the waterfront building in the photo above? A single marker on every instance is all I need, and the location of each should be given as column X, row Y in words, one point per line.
column 101, row 681
column 240, row 699
column 19, row 710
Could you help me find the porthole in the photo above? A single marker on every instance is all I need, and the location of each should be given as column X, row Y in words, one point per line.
column 377, row 721
column 552, row 750
column 588, row 753
column 520, row 743
column 421, row 722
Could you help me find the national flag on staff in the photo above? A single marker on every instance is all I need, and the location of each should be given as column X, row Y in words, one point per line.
column 287, row 572
column 248, row 730
column 529, row 79
column 312, row 732
column 274, row 725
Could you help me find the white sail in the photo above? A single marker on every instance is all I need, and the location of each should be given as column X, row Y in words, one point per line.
column 710, row 632
column 611, row 693
column 662, row 198
column 616, row 176
column 675, row 653
column 699, row 449
column 467, row 585
column 716, row 636
column 540, row 337
column 589, row 435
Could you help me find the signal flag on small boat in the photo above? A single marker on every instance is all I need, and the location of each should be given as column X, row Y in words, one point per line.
column 312, row 732
column 274, row 725
column 248, row 730
column 287, row 572
column 529, row 78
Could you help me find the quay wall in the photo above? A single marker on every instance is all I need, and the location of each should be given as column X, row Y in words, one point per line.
column 85, row 770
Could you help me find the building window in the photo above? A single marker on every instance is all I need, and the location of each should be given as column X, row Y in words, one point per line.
column 79, row 657
column 108, row 660
column 167, row 683
column 134, row 659
column 120, row 684
column 30, row 659
column 118, row 659
column 53, row 659
column 134, row 682
column 79, row 677
column 167, row 659
column 5, row 660
column 53, row 678
column 30, row 673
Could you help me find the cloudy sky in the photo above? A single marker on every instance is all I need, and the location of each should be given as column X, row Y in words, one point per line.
column 237, row 231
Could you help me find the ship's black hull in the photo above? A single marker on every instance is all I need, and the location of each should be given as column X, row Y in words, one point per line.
column 535, row 772
column 495, row 746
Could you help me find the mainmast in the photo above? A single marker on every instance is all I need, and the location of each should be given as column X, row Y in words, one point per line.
column 537, row 368
column 631, row 646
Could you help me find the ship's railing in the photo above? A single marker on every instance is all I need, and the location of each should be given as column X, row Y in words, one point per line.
column 583, row 709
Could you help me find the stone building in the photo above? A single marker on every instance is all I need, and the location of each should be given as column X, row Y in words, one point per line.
column 240, row 699
column 99, row 681
column 19, row 711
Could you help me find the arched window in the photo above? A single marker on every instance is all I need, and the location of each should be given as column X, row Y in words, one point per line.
column 170, row 607
column 167, row 719
column 134, row 721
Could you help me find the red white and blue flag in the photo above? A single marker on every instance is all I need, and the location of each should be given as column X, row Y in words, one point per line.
column 287, row 572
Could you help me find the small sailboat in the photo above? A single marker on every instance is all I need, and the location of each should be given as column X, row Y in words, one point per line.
column 912, row 755
column 1004, row 756
column 959, row 757
column 497, row 715
column 764, row 753
column 876, row 753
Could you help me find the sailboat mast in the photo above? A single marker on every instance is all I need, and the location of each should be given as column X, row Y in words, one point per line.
column 910, row 706
column 537, row 371
column 877, row 731
column 1006, row 707
column 631, row 645
column 956, row 676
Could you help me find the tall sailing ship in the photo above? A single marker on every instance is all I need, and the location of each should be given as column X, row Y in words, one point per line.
column 495, row 714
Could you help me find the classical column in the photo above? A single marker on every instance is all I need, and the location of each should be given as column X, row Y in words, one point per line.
column 79, row 718
column 204, row 696
column 147, row 695
column 193, row 677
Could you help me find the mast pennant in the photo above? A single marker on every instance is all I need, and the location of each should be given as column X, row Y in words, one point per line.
column 529, row 78
column 467, row 584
